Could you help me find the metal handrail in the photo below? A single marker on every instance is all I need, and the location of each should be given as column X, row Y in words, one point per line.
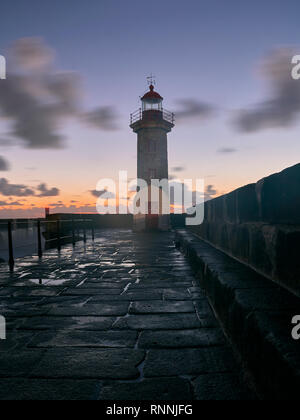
column 168, row 116
column 17, row 222
column 138, row 116
column 11, row 223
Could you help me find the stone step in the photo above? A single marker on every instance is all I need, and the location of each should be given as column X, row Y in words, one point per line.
column 256, row 315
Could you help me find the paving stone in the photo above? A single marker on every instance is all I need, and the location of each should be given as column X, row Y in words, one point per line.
column 143, row 295
column 221, row 387
column 91, row 364
column 61, row 301
column 160, row 285
column 196, row 290
column 13, row 323
column 203, row 308
column 19, row 303
column 204, row 337
column 198, row 296
column 99, row 290
column 11, row 312
column 80, row 291
column 189, row 362
column 105, row 287
column 19, row 363
column 40, row 292
column 177, row 295
column 159, row 322
column 6, row 292
column 129, row 297
column 163, row 389
column 48, row 390
column 156, row 290
column 21, row 307
column 54, row 282
column 15, row 340
column 100, row 309
column 157, row 307
column 60, row 323
column 208, row 321
column 85, row 339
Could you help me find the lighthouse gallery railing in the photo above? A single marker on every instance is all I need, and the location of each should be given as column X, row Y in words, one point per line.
column 166, row 115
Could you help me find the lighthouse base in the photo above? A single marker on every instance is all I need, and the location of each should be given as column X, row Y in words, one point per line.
column 151, row 222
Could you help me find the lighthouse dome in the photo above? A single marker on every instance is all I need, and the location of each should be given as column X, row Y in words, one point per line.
column 152, row 96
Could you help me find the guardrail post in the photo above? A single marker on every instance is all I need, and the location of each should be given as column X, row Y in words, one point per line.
column 84, row 231
column 40, row 251
column 93, row 231
column 73, row 232
column 58, row 235
column 11, row 260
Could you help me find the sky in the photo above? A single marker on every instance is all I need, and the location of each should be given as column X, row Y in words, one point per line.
column 76, row 70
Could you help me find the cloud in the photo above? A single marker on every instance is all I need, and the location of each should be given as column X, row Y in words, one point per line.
column 4, row 165
column 282, row 107
column 16, row 190
column 7, row 143
column 178, row 169
column 33, row 120
column 103, row 194
column 56, row 205
column 19, row 190
column 191, row 108
column 13, row 203
column 32, row 54
column 227, row 150
column 95, row 193
column 45, row 192
column 104, row 118
column 37, row 99
column 210, row 192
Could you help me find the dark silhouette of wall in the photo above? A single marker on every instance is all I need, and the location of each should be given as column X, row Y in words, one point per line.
column 259, row 224
column 114, row 221
column 99, row 221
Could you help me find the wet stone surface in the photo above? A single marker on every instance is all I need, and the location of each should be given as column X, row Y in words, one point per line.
column 120, row 318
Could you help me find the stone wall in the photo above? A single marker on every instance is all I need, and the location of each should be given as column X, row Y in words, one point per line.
column 259, row 224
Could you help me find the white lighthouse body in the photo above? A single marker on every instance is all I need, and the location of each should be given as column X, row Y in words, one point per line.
column 152, row 123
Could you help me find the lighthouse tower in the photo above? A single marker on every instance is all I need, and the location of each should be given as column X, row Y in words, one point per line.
column 152, row 123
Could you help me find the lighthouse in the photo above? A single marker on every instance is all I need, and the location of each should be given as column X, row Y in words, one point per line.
column 152, row 123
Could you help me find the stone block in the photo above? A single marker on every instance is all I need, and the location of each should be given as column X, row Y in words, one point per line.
column 221, row 387
column 88, row 339
column 162, row 389
column 89, row 364
column 157, row 307
column 188, row 361
column 158, row 322
column 202, row 337
column 48, row 390
column 279, row 197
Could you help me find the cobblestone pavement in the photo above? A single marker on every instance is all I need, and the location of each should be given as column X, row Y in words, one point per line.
column 121, row 318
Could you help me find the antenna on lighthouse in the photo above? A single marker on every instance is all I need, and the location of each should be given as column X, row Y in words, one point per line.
column 151, row 80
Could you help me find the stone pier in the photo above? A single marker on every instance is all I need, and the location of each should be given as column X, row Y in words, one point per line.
column 122, row 318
